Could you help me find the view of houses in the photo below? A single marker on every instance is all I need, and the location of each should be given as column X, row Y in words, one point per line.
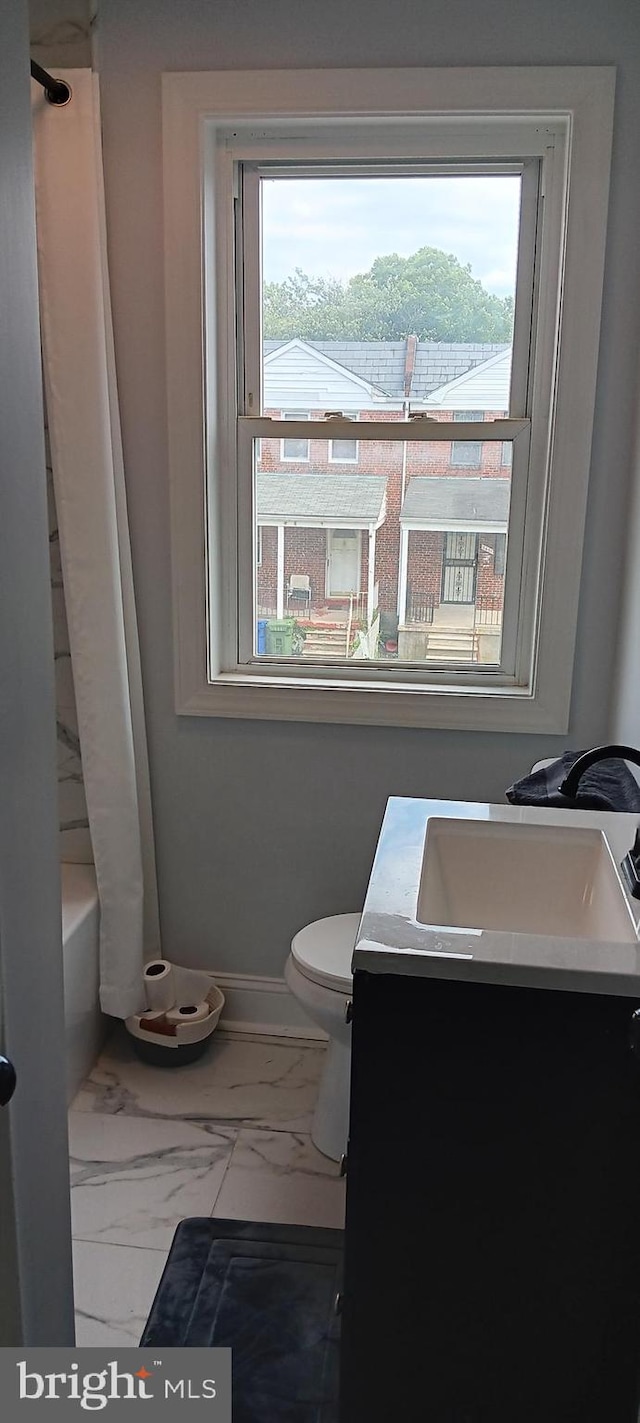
column 377, row 548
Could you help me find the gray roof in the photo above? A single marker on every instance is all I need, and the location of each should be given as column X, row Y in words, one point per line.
column 381, row 363
column 350, row 499
column 469, row 501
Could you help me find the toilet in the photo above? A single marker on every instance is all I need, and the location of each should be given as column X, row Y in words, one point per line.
column 318, row 973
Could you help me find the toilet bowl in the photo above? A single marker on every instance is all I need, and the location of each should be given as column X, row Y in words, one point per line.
column 318, row 973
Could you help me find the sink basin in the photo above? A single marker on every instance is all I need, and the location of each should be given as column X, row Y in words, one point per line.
column 526, row 879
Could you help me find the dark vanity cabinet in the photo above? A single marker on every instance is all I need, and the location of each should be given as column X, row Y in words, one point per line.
column 492, row 1270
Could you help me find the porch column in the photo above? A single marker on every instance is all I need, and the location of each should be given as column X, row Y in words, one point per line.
column 371, row 576
column 280, row 573
column 402, row 575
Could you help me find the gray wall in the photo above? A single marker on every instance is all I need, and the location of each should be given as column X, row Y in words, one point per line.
column 261, row 827
column 626, row 710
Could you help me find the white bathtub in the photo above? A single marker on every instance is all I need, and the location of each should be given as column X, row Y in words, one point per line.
column 84, row 1023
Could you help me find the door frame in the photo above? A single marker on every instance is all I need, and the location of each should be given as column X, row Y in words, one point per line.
column 36, row 1297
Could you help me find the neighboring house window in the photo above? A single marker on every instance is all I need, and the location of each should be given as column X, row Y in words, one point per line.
column 499, row 556
column 343, row 451
column 295, row 449
column 466, row 453
column 233, row 167
column 259, row 546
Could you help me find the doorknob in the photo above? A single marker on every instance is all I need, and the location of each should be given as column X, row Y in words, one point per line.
column 7, row 1081
column 634, row 1033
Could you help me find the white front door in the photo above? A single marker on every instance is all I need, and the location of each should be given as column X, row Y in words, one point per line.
column 36, row 1297
column 344, row 561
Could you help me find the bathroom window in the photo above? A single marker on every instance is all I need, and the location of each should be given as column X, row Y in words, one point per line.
column 340, row 272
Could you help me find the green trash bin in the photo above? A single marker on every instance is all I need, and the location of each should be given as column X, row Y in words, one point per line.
column 280, row 637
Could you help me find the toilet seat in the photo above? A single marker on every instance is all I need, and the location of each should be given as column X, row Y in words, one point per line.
column 322, row 951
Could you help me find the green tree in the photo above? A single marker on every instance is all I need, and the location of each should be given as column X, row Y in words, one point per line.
column 430, row 294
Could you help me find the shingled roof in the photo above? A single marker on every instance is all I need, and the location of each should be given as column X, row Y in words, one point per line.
column 352, row 500
column 382, row 363
column 469, row 502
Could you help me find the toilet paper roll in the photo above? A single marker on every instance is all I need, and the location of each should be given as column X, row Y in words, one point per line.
column 158, row 985
column 156, row 1023
column 189, row 1013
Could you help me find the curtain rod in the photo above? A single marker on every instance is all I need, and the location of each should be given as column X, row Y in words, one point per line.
column 56, row 91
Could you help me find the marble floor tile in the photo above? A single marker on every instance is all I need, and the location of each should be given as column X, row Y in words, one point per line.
column 114, row 1290
column 267, row 1083
column 281, row 1177
column 133, row 1180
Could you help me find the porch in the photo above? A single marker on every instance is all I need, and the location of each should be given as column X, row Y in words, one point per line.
column 451, row 569
column 316, row 544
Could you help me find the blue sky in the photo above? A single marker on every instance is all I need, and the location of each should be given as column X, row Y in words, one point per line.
column 337, row 226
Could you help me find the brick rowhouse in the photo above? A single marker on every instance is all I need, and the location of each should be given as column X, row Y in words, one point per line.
column 307, row 549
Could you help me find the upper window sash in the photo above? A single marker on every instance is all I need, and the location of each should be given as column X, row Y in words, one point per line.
column 535, row 171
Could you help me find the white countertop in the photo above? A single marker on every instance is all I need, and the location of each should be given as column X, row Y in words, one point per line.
column 391, row 939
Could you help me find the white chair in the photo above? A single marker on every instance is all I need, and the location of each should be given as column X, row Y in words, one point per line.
column 299, row 590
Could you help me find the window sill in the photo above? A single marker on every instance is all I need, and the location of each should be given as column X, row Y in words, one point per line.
column 377, row 704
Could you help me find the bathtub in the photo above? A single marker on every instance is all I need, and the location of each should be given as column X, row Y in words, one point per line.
column 84, row 1023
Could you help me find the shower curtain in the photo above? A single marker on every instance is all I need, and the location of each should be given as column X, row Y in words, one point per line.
column 88, row 475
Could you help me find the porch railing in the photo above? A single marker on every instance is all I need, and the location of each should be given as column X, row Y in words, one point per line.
column 488, row 610
column 420, row 608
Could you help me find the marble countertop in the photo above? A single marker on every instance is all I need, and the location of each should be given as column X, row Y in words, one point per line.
column 391, row 938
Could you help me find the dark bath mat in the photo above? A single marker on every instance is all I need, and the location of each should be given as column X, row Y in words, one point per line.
column 268, row 1292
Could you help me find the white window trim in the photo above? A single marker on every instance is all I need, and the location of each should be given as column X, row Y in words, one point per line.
column 581, row 99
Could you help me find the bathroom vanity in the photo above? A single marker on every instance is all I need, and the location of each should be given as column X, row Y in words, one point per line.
column 492, row 1269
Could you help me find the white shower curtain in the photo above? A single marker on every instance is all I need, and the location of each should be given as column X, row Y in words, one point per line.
column 90, row 495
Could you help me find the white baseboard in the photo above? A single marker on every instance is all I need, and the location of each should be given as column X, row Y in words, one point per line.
column 265, row 1007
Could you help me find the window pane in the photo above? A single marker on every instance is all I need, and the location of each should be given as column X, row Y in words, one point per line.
column 346, row 450
column 399, row 560
column 387, row 290
column 466, row 452
column 295, row 449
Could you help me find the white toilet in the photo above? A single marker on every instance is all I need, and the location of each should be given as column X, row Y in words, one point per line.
column 318, row 972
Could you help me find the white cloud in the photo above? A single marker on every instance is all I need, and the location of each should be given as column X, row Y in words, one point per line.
column 338, row 226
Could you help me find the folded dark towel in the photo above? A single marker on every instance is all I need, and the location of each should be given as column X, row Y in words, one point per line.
column 609, row 785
